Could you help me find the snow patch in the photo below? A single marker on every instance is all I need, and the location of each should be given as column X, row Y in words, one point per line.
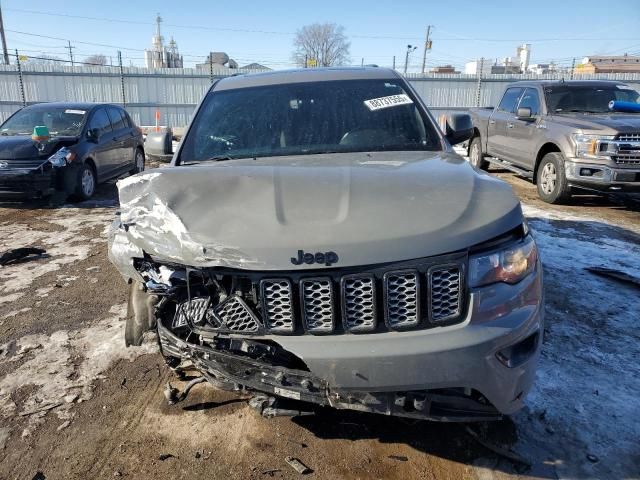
column 64, row 246
column 61, row 366
column 588, row 380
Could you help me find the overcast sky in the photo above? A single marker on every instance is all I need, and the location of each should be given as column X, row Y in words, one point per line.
column 253, row 31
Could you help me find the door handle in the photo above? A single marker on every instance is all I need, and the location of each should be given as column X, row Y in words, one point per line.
column 509, row 125
column 492, row 122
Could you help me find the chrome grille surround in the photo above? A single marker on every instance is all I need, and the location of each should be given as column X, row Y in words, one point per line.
column 628, row 149
column 445, row 288
column 358, row 296
column 235, row 315
column 401, row 299
column 194, row 310
column 277, row 305
column 317, row 305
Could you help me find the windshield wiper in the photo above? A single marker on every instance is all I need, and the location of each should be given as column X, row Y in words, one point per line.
column 215, row 158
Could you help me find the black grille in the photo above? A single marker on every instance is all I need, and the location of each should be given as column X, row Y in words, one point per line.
column 277, row 305
column 402, row 299
column 317, row 304
column 359, row 303
column 234, row 315
column 444, row 293
column 381, row 299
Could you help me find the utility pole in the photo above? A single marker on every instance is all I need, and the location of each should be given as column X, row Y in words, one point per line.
column 573, row 66
column 70, row 52
column 124, row 99
column 410, row 48
column 479, row 84
column 427, row 46
column 394, row 62
column 5, row 54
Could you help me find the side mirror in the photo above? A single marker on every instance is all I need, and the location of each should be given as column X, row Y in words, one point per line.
column 93, row 134
column 458, row 128
column 524, row 113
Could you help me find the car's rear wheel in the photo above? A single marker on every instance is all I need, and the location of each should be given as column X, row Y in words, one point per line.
column 476, row 157
column 86, row 182
column 551, row 181
column 139, row 163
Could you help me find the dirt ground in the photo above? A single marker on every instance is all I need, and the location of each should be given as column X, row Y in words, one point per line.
column 85, row 407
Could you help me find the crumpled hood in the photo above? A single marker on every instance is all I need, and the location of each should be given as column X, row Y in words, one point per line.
column 21, row 147
column 607, row 123
column 367, row 208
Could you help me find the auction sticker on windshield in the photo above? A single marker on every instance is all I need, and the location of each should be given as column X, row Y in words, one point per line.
column 386, row 102
column 75, row 112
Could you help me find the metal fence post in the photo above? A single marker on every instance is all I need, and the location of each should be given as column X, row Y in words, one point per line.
column 479, row 86
column 124, row 99
column 20, row 80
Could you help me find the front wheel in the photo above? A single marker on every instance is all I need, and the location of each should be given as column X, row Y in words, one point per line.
column 476, row 158
column 138, row 165
column 86, row 182
column 551, row 180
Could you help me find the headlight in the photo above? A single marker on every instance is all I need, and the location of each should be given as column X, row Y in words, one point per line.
column 594, row 146
column 509, row 265
column 62, row 157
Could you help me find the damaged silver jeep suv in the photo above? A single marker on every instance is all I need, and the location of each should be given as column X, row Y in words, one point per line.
column 316, row 238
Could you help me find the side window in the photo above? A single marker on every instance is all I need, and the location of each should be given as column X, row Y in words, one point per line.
column 510, row 100
column 531, row 99
column 100, row 120
column 116, row 118
column 127, row 120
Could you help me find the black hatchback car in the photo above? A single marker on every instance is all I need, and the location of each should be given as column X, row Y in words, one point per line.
column 67, row 149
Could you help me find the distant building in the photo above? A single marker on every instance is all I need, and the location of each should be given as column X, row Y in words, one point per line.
column 517, row 64
column 255, row 66
column 542, row 68
column 444, row 69
column 219, row 61
column 609, row 64
column 159, row 55
column 473, row 68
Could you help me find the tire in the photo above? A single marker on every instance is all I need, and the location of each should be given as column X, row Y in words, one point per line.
column 476, row 156
column 138, row 162
column 86, row 182
column 551, row 181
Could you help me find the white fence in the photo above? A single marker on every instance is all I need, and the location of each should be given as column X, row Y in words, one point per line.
column 175, row 92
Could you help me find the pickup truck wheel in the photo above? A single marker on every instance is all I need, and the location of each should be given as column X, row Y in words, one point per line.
column 551, row 181
column 476, row 156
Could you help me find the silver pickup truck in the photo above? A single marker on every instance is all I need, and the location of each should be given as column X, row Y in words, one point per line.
column 563, row 135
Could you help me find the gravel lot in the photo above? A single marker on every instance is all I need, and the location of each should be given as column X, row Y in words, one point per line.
column 75, row 403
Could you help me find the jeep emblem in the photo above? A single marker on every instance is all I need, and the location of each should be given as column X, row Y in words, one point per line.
column 327, row 258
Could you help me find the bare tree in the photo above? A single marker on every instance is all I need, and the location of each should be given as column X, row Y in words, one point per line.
column 322, row 45
column 96, row 59
column 43, row 59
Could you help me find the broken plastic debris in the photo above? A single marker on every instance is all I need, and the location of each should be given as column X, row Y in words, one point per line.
column 17, row 254
column 297, row 465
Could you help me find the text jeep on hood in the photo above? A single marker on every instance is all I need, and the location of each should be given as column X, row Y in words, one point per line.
column 316, row 238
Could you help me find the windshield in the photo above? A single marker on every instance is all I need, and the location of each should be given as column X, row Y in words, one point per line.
column 307, row 118
column 59, row 120
column 588, row 99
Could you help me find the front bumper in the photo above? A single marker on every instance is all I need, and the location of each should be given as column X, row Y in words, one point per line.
column 27, row 183
column 455, row 373
column 603, row 177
